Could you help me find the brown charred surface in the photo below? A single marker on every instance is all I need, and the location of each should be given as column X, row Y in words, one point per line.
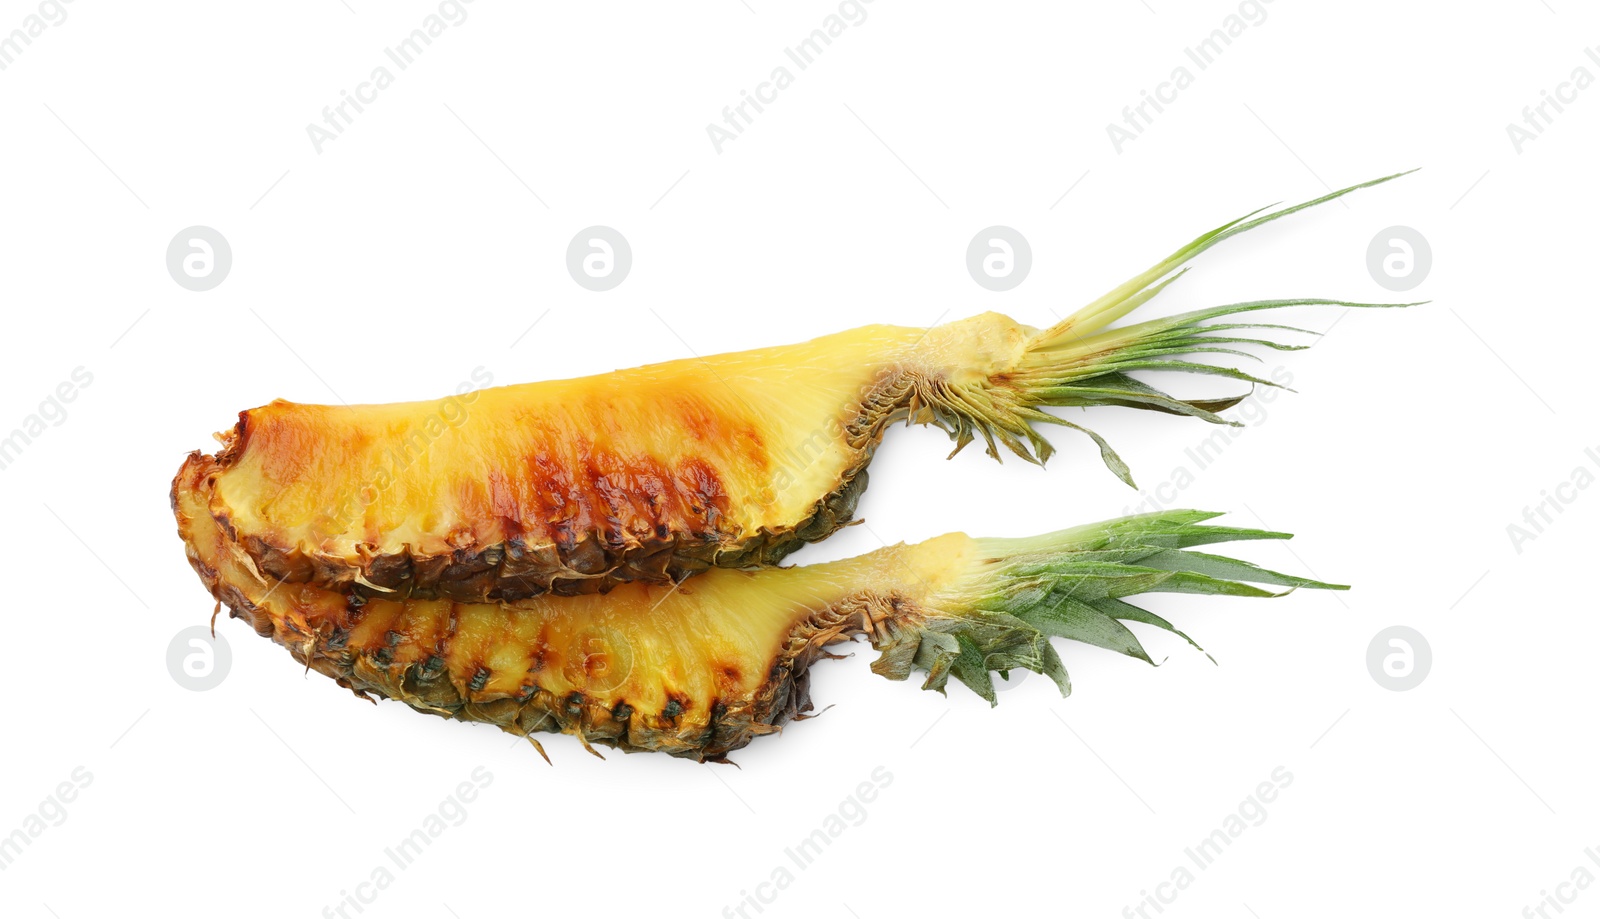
column 571, row 521
column 494, row 665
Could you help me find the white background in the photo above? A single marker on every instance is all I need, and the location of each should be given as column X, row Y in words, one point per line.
column 415, row 248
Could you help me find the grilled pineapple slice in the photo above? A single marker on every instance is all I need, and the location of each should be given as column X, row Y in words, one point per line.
column 701, row 669
column 659, row 472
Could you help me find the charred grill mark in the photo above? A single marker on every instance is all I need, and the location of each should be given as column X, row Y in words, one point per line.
column 505, row 505
column 583, row 497
column 652, row 480
column 554, row 490
column 704, row 496
column 608, row 481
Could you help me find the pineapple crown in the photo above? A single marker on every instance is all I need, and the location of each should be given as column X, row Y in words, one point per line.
column 1017, row 594
column 1081, row 362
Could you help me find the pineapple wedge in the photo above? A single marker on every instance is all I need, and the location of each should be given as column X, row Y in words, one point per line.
column 659, row 472
column 700, row 669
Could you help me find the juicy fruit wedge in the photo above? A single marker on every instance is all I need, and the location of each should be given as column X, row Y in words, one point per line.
column 659, row 472
column 700, row 669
